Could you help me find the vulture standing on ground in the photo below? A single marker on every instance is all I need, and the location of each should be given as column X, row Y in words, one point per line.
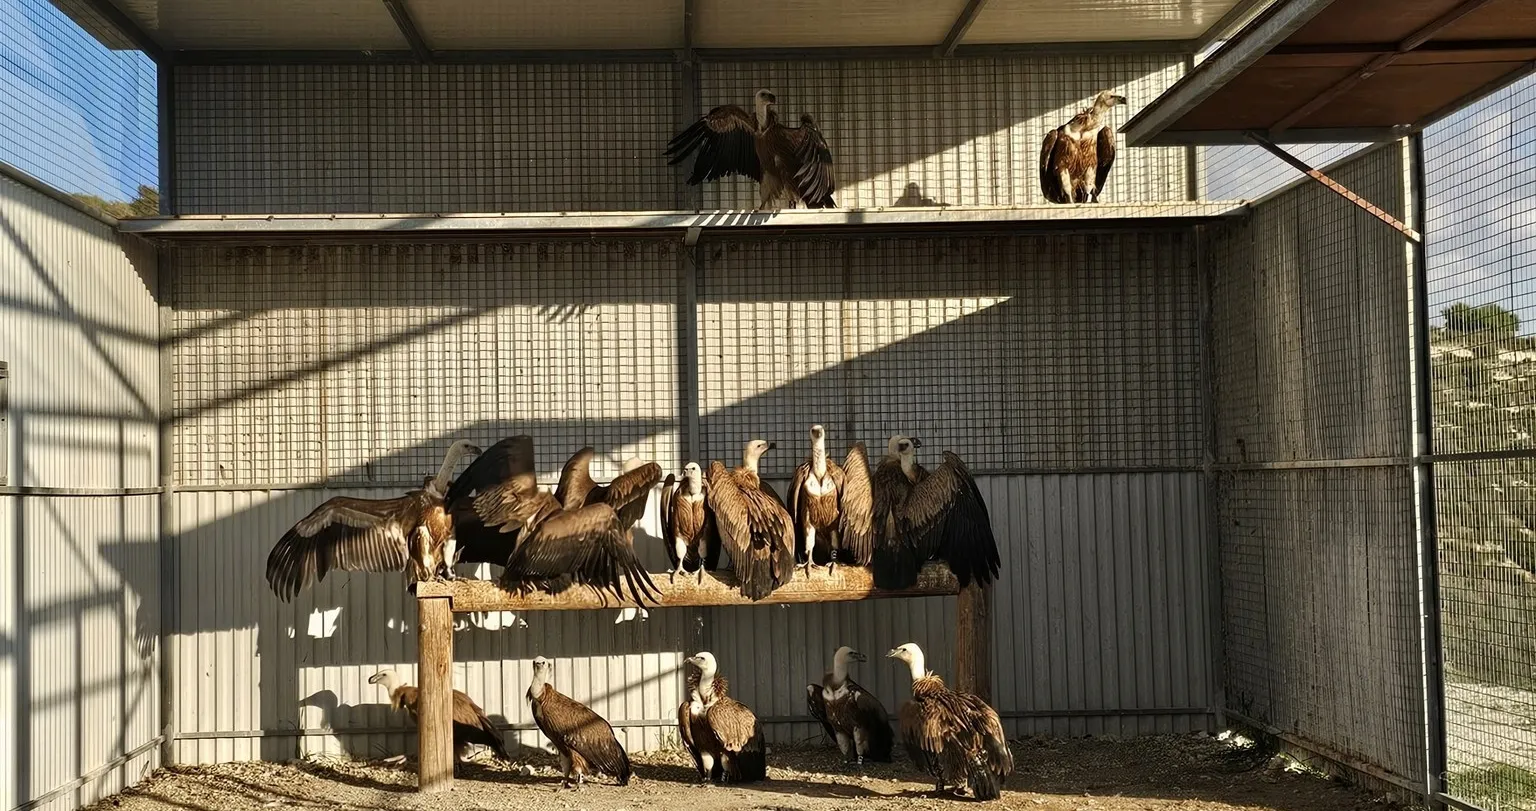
column 723, row 736
column 755, row 526
column 921, row 516
column 790, row 164
column 832, row 502
column 1076, row 156
column 850, row 714
column 691, row 534
column 469, row 722
column 585, row 740
column 412, row 533
column 558, row 547
column 953, row 736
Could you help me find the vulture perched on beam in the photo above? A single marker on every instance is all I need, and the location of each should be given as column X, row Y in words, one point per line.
column 721, row 734
column 955, row 737
column 1076, row 156
column 921, row 516
column 412, row 533
column 755, row 526
column 790, row 164
column 851, row 715
column 832, row 502
column 559, row 546
column 692, row 535
column 576, row 488
column 469, row 722
column 585, row 740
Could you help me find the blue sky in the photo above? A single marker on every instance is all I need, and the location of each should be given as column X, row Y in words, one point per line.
column 74, row 113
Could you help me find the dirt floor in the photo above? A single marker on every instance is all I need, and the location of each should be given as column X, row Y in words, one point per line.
column 1189, row 773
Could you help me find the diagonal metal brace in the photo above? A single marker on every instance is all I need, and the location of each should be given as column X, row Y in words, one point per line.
column 1335, row 186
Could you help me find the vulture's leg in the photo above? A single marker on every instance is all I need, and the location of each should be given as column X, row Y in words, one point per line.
column 810, row 548
column 565, row 769
column 860, row 744
column 680, row 548
column 1068, row 188
column 450, row 556
column 709, row 766
column 833, row 542
column 845, row 745
column 421, row 564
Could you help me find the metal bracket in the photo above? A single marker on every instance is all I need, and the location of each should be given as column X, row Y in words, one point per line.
column 409, row 30
column 1335, row 186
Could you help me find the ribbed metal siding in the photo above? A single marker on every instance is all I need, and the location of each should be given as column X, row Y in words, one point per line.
column 494, row 138
column 952, row 131
column 1320, row 566
column 79, row 684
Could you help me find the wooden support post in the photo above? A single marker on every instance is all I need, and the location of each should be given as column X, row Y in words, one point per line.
column 434, row 671
column 973, row 641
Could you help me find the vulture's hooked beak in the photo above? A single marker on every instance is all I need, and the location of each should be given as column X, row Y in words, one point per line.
column 474, row 449
column 772, row 445
column 1120, row 99
column 916, row 443
column 855, row 656
column 893, row 654
column 376, row 678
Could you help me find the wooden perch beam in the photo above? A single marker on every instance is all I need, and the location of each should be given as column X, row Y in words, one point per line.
column 719, row 588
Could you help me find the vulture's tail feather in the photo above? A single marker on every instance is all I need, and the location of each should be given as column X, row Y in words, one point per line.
column 895, row 567
column 881, row 740
column 984, row 783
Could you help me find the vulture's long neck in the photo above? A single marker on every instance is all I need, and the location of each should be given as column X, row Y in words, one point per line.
column 916, row 664
column 909, row 465
column 706, row 685
column 749, row 463
column 819, row 456
column 839, row 669
column 540, row 681
column 450, row 461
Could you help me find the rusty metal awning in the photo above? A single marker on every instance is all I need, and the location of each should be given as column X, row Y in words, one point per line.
column 1345, row 71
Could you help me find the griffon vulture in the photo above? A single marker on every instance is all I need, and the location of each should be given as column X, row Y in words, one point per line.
column 692, row 535
column 469, row 722
column 921, row 516
column 576, row 488
column 755, row 526
column 721, row 734
column 585, row 740
column 832, row 502
column 955, row 737
column 412, row 533
column 851, row 715
column 1076, row 156
column 559, row 547
column 790, row 164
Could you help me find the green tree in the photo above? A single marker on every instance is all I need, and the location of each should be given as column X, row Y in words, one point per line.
column 146, row 204
column 1464, row 318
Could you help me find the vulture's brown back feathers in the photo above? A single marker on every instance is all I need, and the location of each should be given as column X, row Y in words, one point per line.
column 572, row 726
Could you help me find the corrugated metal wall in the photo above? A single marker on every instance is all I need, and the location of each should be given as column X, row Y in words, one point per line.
column 79, row 510
column 1067, row 367
column 502, row 138
column 1315, row 502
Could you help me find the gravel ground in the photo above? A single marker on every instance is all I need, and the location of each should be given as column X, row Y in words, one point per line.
column 1189, row 773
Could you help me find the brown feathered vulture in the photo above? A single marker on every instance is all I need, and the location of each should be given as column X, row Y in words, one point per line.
column 953, row 736
column 755, row 526
column 790, row 164
column 412, row 533
column 1076, row 156
column 470, row 725
column 692, row 534
column 723, row 736
column 585, row 740
column 577, row 489
column 832, row 503
column 921, row 516
column 851, row 715
column 559, row 547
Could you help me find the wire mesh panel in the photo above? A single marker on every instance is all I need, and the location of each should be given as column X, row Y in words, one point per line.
column 361, row 364
column 509, row 138
column 1018, row 353
column 1319, row 557
column 953, row 131
column 1482, row 290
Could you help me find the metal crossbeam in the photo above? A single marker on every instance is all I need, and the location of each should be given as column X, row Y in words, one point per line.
column 409, row 30
column 962, row 24
column 1336, row 187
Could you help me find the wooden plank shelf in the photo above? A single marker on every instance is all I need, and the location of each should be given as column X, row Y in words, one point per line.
column 437, row 602
column 719, row 588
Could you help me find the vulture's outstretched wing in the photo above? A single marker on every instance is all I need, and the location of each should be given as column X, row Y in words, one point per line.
column 856, row 530
column 709, row 544
column 1106, row 158
column 805, row 148
column 895, row 561
column 499, row 463
column 584, row 546
column 351, row 534
column 669, row 489
column 1052, row 159
column 726, row 140
column 576, row 479
column 630, row 492
column 945, row 515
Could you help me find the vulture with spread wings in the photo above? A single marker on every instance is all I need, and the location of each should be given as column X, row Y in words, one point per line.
column 921, row 516
column 832, row 503
column 790, row 164
column 412, row 533
column 559, row 545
